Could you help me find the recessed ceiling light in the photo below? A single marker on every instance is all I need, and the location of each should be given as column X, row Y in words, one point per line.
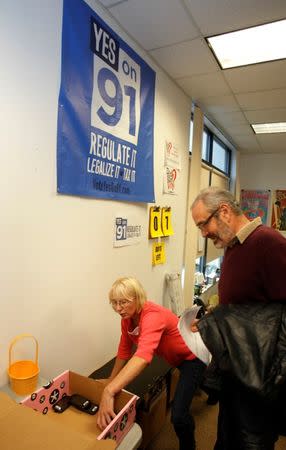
column 279, row 127
column 250, row 46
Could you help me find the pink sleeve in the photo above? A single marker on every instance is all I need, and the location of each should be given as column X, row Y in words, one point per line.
column 152, row 328
column 125, row 344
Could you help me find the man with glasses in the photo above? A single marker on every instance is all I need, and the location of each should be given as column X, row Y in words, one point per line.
column 253, row 273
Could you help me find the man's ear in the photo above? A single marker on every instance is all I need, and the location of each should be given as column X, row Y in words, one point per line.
column 225, row 211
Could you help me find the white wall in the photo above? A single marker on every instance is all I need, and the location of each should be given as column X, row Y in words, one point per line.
column 262, row 171
column 57, row 261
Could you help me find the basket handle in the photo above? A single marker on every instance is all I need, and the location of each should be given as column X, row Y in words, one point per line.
column 18, row 338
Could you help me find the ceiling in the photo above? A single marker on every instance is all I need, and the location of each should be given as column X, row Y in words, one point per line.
column 173, row 33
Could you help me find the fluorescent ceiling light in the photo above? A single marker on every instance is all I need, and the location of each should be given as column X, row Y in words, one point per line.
column 251, row 45
column 279, row 127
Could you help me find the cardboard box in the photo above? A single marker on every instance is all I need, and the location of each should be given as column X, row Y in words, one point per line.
column 33, row 425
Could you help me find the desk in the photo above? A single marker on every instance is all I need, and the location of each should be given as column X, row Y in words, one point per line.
column 147, row 385
column 153, row 387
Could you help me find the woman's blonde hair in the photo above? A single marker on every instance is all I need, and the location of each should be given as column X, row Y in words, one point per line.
column 130, row 289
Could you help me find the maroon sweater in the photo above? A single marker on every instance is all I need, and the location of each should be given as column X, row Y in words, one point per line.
column 255, row 271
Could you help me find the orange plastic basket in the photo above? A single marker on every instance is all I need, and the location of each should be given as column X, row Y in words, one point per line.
column 23, row 375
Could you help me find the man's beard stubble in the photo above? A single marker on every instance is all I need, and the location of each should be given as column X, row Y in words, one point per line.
column 223, row 237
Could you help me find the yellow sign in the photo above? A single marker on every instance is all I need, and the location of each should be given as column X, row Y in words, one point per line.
column 158, row 253
column 166, row 222
column 155, row 229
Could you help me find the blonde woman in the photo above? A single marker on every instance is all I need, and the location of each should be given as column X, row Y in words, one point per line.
column 153, row 330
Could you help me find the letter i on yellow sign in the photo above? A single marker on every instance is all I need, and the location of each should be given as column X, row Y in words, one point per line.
column 166, row 222
column 158, row 253
column 155, row 229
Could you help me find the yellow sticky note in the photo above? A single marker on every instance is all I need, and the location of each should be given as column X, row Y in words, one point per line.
column 158, row 253
column 167, row 222
column 155, row 229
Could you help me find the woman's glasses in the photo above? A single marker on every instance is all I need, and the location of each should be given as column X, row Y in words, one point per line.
column 121, row 303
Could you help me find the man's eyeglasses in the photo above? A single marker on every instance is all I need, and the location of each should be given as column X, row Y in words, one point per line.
column 204, row 223
column 121, row 303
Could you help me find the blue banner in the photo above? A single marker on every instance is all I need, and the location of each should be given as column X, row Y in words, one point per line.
column 106, row 112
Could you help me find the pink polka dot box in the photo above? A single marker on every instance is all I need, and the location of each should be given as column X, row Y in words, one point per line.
column 69, row 383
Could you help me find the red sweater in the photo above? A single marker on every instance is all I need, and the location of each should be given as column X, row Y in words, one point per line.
column 255, row 270
column 158, row 333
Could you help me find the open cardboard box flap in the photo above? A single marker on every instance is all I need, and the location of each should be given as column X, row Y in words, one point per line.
column 23, row 428
column 85, row 386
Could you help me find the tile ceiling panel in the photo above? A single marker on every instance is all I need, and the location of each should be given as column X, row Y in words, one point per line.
column 263, row 99
column 257, row 77
column 231, row 118
column 248, row 144
column 186, row 59
column 238, row 130
column 220, row 16
column 272, row 143
column 266, row 115
column 225, row 103
column 204, row 85
column 248, row 150
column 155, row 23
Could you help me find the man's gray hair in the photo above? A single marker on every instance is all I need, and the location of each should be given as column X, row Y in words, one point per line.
column 213, row 196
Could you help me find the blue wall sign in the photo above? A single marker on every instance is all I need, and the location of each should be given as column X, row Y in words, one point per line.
column 106, row 112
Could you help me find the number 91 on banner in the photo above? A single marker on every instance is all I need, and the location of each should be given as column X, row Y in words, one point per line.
column 160, row 222
column 116, row 98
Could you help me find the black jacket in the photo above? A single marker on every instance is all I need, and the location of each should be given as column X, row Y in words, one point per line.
column 248, row 341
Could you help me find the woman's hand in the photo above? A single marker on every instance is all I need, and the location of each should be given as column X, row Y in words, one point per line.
column 128, row 373
column 106, row 409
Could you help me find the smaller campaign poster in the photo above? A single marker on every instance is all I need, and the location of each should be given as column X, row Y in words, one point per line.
column 127, row 231
column 255, row 203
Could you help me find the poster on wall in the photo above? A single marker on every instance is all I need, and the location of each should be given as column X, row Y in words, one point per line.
column 105, row 112
column 255, row 203
column 158, row 253
column 127, row 231
column 278, row 219
column 172, row 168
column 170, row 180
column 172, row 155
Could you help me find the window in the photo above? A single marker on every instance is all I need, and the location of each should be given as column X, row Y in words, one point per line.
column 214, row 152
column 221, row 156
column 205, row 146
column 199, row 264
column 212, row 271
column 191, row 134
